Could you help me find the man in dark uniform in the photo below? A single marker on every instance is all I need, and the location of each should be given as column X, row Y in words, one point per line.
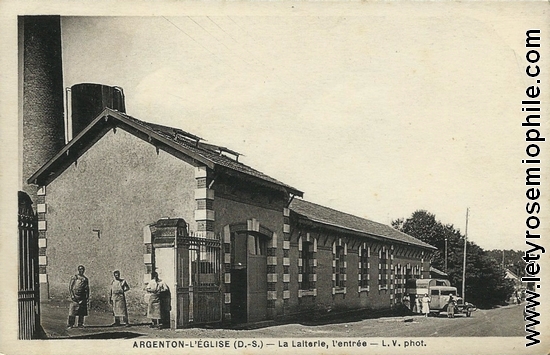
column 79, row 291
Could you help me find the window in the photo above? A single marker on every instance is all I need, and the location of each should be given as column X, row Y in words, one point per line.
column 399, row 283
column 447, row 292
column 340, row 270
column 364, row 283
column 383, row 268
column 238, row 247
column 307, row 264
column 256, row 245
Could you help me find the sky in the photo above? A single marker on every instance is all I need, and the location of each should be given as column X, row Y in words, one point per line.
column 376, row 113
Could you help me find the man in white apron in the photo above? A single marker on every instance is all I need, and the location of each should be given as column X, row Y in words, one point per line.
column 118, row 299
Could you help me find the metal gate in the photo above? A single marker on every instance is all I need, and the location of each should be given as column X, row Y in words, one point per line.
column 191, row 265
column 199, row 274
column 29, row 295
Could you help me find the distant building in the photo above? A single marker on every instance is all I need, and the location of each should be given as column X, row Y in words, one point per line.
column 437, row 274
column 510, row 275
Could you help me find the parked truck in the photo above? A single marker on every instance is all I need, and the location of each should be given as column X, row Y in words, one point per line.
column 439, row 291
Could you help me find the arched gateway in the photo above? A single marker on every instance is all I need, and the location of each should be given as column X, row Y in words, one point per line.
column 250, row 244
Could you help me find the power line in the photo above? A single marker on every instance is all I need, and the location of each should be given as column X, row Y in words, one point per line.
column 200, row 44
column 243, row 47
column 194, row 40
column 205, row 30
column 208, row 17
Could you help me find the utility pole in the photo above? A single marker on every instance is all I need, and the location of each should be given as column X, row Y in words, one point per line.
column 464, row 263
column 446, row 254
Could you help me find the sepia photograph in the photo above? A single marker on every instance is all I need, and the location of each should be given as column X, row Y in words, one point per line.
column 244, row 177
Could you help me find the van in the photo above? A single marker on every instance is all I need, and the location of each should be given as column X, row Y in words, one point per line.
column 439, row 291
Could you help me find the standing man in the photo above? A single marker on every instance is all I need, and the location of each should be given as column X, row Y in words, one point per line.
column 451, row 307
column 155, row 289
column 165, row 307
column 79, row 291
column 426, row 305
column 117, row 299
column 418, row 304
column 407, row 301
column 158, row 292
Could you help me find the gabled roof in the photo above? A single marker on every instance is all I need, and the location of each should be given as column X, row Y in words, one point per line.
column 320, row 215
column 171, row 139
column 511, row 275
column 437, row 271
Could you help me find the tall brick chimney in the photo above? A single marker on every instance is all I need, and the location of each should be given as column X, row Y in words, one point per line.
column 41, row 74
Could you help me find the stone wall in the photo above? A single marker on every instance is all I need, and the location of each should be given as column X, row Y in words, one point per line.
column 96, row 210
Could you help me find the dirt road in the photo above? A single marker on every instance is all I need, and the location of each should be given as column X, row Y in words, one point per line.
column 505, row 321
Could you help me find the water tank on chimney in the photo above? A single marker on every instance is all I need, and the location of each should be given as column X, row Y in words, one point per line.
column 88, row 100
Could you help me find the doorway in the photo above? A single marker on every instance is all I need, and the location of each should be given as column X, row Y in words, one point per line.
column 248, row 277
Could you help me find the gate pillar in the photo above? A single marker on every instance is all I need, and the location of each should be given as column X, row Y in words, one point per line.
column 165, row 234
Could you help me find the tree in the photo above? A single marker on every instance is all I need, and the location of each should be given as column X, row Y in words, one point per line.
column 486, row 285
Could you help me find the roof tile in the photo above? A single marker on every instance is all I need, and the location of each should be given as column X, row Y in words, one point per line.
column 208, row 151
column 325, row 215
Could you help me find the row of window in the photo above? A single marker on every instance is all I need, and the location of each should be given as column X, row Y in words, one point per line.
column 256, row 245
column 340, row 267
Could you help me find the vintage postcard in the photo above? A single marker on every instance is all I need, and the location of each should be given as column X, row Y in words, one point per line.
column 258, row 177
